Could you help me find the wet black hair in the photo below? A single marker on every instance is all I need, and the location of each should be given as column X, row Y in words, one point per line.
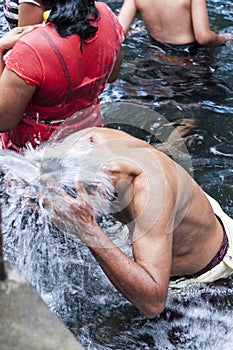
column 73, row 17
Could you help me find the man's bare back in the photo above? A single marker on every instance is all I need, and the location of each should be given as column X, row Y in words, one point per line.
column 174, row 230
column 174, row 22
column 168, row 21
column 193, row 222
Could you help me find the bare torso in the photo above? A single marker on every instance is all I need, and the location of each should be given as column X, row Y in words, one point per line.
column 168, row 20
column 192, row 231
column 173, row 228
column 175, row 22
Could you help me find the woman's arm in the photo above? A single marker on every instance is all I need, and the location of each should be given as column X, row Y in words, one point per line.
column 116, row 69
column 15, row 94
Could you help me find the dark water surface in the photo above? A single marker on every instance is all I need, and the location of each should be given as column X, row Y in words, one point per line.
column 159, row 96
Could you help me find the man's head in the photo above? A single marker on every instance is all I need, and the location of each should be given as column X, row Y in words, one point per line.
column 71, row 160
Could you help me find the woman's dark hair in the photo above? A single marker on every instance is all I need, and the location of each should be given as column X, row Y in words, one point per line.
column 73, row 17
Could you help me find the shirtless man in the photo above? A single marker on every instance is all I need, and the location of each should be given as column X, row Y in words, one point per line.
column 179, row 234
column 174, row 22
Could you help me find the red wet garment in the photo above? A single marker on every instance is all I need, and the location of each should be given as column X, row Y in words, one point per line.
column 69, row 76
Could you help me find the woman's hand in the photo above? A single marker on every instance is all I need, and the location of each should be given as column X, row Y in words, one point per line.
column 8, row 40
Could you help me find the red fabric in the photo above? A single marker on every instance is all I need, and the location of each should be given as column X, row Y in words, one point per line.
column 68, row 79
column 30, row 132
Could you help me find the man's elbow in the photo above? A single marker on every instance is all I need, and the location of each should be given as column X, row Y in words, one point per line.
column 153, row 310
column 210, row 40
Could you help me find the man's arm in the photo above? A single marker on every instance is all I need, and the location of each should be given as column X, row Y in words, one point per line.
column 144, row 280
column 203, row 34
column 127, row 14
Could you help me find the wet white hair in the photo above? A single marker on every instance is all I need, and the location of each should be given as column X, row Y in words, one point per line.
column 70, row 159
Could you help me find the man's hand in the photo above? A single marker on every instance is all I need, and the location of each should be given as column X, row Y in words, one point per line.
column 228, row 37
column 71, row 215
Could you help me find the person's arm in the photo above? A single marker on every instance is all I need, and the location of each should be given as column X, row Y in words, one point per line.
column 116, row 69
column 203, row 34
column 15, row 95
column 30, row 13
column 2, row 266
column 127, row 14
column 8, row 40
column 144, row 280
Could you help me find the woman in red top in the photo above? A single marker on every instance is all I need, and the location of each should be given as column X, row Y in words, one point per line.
column 57, row 70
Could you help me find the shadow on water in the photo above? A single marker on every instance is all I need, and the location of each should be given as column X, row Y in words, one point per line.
column 199, row 107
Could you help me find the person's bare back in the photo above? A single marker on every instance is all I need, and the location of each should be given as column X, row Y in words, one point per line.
column 168, row 20
column 152, row 184
column 175, row 22
column 174, row 229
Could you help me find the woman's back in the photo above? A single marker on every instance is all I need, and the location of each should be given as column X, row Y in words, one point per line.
column 59, row 70
column 69, row 74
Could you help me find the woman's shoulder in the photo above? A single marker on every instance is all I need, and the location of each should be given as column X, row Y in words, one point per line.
column 108, row 17
column 103, row 7
column 47, row 30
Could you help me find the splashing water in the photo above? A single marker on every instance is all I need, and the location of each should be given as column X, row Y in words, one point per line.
column 31, row 242
column 71, row 282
